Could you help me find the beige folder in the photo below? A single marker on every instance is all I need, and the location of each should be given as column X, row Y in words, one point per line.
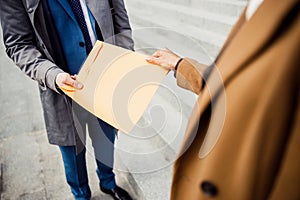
column 118, row 85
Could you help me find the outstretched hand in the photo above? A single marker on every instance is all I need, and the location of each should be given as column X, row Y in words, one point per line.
column 164, row 58
column 67, row 82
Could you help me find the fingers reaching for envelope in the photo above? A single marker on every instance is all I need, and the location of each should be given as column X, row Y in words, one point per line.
column 67, row 82
column 164, row 58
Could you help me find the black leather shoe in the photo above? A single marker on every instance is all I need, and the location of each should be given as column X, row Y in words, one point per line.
column 117, row 193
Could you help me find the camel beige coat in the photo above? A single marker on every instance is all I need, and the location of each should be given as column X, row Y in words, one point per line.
column 243, row 138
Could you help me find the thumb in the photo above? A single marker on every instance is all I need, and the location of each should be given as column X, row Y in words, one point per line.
column 76, row 84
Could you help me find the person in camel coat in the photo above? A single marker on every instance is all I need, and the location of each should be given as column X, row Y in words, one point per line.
column 243, row 138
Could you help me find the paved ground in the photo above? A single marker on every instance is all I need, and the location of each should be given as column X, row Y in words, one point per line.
column 31, row 169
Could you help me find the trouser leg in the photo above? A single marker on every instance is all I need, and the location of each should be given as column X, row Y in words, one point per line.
column 103, row 142
column 76, row 172
column 102, row 136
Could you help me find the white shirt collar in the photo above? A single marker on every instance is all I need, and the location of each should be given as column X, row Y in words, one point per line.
column 88, row 21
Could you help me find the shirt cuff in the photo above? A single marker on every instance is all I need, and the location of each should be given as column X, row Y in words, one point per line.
column 51, row 78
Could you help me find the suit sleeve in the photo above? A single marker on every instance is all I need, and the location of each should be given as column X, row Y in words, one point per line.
column 121, row 26
column 190, row 74
column 21, row 44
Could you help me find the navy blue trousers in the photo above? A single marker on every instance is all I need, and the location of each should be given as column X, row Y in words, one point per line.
column 75, row 165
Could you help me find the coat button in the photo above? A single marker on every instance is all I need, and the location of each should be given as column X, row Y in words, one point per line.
column 30, row 10
column 209, row 189
column 81, row 44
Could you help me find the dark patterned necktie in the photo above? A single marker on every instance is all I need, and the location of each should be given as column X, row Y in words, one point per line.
column 76, row 7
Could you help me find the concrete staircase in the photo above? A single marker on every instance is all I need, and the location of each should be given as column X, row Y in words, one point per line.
column 206, row 21
column 191, row 28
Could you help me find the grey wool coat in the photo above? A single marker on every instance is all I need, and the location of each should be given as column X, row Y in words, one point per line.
column 27, row 44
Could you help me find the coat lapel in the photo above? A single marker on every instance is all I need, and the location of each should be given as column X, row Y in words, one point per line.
column 244, row 43
column 66, row 6
column 96, row 8
column 102, row 14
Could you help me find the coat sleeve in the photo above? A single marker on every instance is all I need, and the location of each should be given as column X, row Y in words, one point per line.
column 190, row 75
column 21, row 44
column 121, row 25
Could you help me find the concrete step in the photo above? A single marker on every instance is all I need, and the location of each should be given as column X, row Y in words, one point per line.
column 166, row 12
column 154, row 35
column 207, row 41
column 222, row 7
column 198, row 37
column 148, row 40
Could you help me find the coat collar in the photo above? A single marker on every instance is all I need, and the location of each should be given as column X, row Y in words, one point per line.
column 254, row 35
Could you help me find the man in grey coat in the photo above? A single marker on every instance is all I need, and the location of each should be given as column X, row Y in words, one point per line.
column 49, row 40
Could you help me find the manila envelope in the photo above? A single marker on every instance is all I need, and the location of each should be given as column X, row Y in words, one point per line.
column 118, row 85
